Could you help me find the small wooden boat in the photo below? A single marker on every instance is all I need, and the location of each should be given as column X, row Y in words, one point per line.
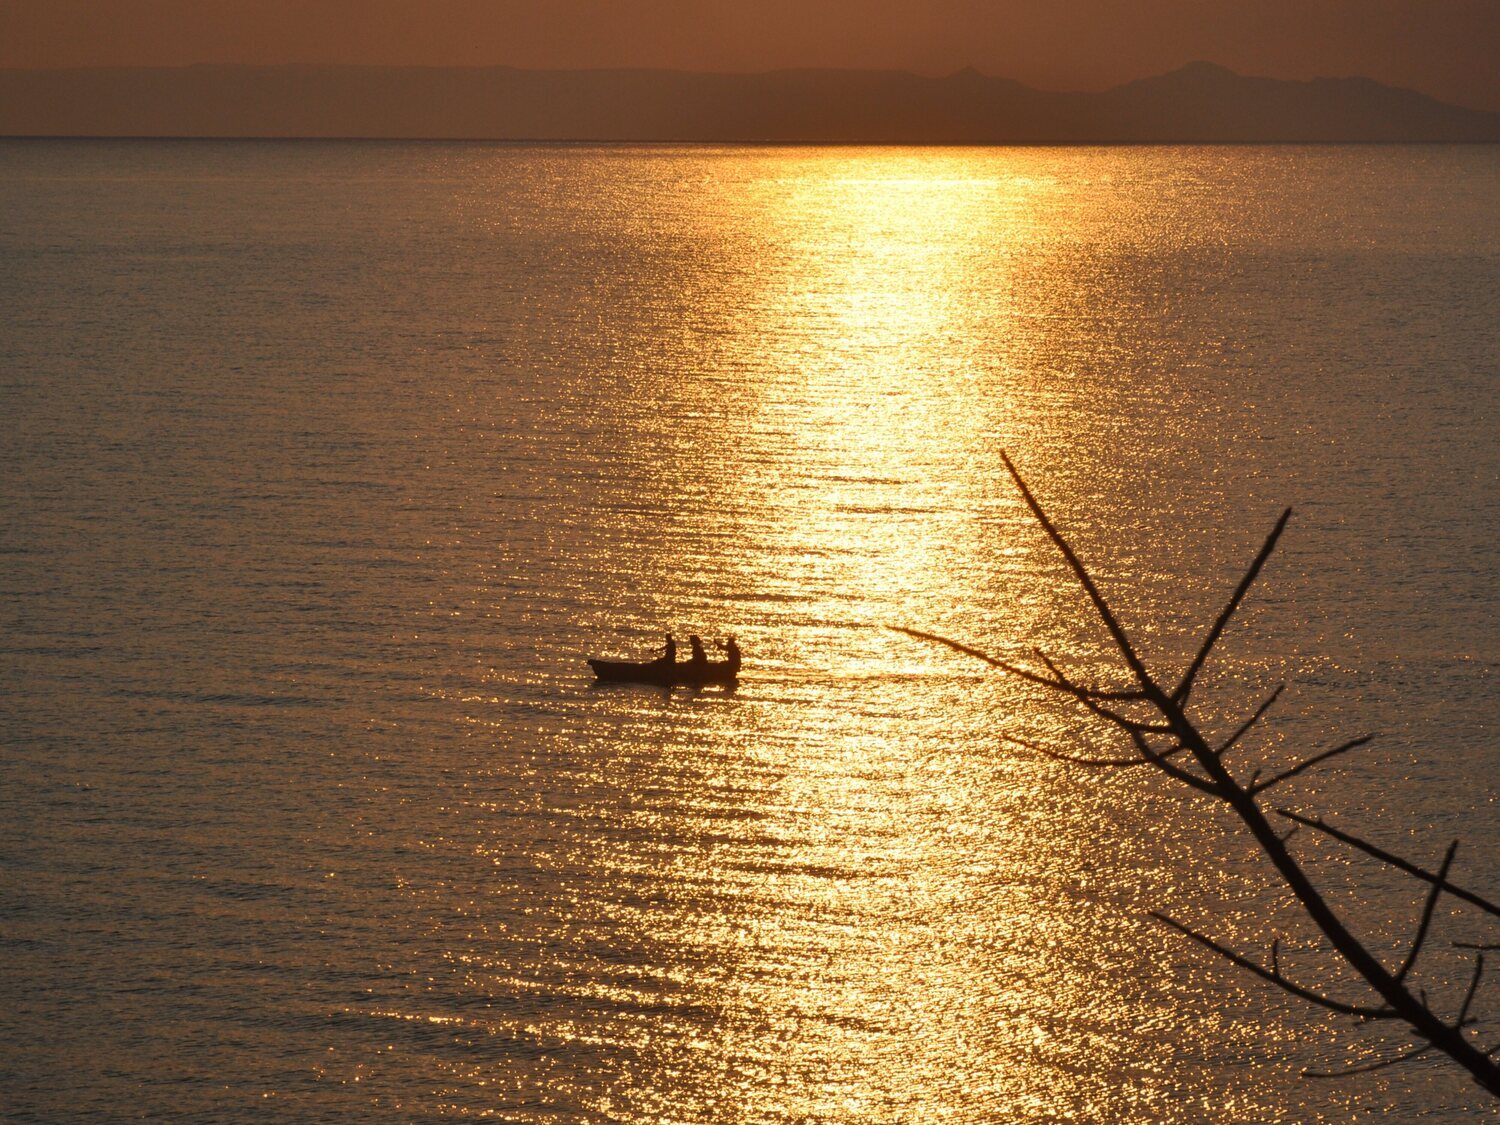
column 712, row 672
column 663, row 672
column 670, row 673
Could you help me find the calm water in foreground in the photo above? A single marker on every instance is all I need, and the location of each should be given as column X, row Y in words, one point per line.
column 323, row 467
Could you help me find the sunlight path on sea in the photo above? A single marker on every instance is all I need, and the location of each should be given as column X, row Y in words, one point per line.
column 806, row 431
column 853, row 425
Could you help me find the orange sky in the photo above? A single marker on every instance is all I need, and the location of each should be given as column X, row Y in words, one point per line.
column 1443, row 47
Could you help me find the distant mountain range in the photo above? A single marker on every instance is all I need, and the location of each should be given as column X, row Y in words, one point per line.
column 1200, row 102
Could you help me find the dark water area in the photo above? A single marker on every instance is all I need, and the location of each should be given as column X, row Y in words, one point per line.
column 325, row 465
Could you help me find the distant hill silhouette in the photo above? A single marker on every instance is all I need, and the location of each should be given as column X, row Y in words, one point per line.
column 1200, row 102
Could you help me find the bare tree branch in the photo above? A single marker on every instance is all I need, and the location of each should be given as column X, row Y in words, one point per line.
column 1185, row 688
column 1136, row 731
column 1394, row 860
column 1065, row 686
column 1252, row 720
column 1091, row 702
column 1287, row 775
column 1118, row 763
column 1405, row 1056
column 1276, row 978
column 1463, row 1011
column 1432, row 897
column 1077, row 689
column 1159, row 760
column 967, row 650
column 1206, row 772
column 1127, row 650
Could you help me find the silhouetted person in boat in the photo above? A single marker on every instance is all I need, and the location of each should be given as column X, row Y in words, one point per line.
column 697, row 663
column 732, row 651
column 671, row 652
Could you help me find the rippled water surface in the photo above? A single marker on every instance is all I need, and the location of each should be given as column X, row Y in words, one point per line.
column 323, row 466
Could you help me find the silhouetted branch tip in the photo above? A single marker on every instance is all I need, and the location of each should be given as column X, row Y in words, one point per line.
column 1185, row 687
column 1427, row 908
column 1463, row 1011
column 1287, row 775
column 969, row 650
column 1275, row 977
column 1406, row 1056
column 1391, row 859
column 1252, row 720
column 1116, row 631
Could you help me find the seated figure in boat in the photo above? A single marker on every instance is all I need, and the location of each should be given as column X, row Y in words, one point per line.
column 666, row 671
column 732, row 652
column 697, row 663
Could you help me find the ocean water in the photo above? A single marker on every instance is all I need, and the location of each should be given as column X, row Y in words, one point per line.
column 325, row 465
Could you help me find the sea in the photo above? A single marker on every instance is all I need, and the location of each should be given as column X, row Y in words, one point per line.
column 325, row 466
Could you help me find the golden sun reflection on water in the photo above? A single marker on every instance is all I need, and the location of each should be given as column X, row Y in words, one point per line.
column 838, row 894
column 871, row 339
column 868, row 915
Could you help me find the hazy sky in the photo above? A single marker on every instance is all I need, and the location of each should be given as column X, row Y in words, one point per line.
column 1447, row 48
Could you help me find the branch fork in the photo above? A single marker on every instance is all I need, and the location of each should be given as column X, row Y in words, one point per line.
column 1195, row 761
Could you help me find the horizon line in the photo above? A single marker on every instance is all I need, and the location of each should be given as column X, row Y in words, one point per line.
column 928, row 76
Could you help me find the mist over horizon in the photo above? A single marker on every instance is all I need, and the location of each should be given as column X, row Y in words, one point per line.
column 1198, row 103
column 1443, row 49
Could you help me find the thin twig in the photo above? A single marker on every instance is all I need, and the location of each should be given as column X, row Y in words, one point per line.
column 1185, row 688
column 1015, row 669
column 1252, row 720
column 1394, row 860
column 1158, row 758
column 1127, row 650
column 1119, row 763
column 1406, row 1056
column 1463, row 1011
column 968, row 650
column 1276, row 978
column 1431, row 904
column 1287, row 775
column 1091, row 702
